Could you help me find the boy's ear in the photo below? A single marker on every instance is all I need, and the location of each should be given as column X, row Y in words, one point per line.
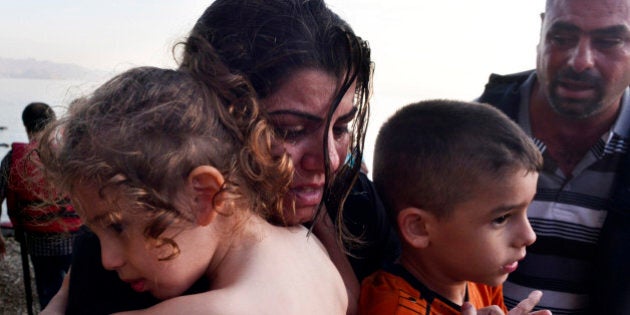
column 205, row 182
column 412, row 223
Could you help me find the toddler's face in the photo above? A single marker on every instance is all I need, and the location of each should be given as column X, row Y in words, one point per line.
column 125, row 249
column 485, row 237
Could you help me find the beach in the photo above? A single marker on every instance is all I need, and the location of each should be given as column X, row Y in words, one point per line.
column 12, row 298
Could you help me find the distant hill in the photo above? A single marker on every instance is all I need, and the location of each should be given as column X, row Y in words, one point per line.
column 41, row 69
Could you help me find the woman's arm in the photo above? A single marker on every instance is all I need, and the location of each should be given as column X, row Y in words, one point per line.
column 57, row 305
column 325, row 231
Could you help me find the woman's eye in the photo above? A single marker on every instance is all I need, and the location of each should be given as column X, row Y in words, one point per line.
column 340, row 131
column 290, row 133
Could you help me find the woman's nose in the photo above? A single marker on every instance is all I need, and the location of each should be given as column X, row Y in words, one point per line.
column 313, row 158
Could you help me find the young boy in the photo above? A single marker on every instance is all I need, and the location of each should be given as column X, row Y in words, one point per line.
column 457, row 179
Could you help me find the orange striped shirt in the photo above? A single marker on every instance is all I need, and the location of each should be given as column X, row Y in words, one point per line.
column 397, row 292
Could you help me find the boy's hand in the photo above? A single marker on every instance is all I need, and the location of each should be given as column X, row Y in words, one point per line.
column 526, row 305
column 523, row 308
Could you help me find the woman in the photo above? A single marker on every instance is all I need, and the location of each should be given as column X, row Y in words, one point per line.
column 312, row 76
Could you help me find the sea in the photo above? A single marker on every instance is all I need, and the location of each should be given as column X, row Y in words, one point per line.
column 15, row 94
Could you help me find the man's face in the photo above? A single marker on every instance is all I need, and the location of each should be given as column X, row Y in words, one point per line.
column 583, row 62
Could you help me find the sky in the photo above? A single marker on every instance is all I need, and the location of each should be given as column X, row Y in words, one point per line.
column 421, row 48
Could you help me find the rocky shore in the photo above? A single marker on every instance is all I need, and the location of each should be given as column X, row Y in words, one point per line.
column 12, row 300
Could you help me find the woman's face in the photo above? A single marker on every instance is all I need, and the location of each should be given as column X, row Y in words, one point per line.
column 298, row 111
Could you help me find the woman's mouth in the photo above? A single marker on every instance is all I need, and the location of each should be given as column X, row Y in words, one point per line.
column 307, row 196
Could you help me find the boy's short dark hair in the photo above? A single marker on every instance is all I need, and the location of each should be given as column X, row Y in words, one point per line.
column 434, row 154
column 36, row 116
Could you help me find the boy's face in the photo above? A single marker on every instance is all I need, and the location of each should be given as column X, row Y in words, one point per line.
column 484, row 238
column 126, row 250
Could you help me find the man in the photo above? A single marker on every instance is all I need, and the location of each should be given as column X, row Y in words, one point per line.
column 576, row 106
column 47, row 225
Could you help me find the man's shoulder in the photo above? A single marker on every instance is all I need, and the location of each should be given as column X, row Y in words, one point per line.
column 502, row 79
column 503, row 91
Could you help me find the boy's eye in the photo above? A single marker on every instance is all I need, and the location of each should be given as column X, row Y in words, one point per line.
column 500, row 220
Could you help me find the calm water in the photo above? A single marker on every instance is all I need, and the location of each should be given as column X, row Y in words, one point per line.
column 15, row 94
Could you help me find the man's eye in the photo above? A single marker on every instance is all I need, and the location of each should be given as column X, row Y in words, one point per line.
column 608, row 42
column 563, row 40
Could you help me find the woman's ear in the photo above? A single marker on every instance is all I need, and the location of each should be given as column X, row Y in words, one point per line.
column 412, row 223
column 205, row 182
